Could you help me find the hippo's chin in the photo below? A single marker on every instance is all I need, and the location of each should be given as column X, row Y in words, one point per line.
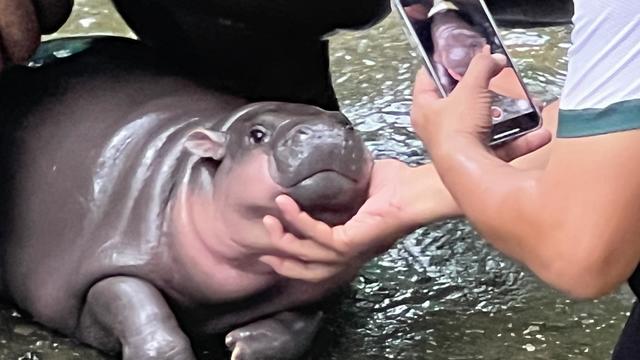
column 329, row 196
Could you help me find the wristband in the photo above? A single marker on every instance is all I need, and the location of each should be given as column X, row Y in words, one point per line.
column 440, row 6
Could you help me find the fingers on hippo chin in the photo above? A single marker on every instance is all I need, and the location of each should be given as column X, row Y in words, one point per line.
column 306, row 250
column 273, row 225
column 307, row 225
column 287, row 205
column 272, row 261
column 290, row 245
column 284, row 267
column 309, row 272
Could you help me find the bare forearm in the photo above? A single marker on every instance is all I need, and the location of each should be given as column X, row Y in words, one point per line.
column 503, row 204
column 574, row 223
column 490, row 192
column 429, row 200
column 436, row 202
column 574, row 238
column 499, row 189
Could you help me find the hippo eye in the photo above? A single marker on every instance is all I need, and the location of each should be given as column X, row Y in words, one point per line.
column 258, row 135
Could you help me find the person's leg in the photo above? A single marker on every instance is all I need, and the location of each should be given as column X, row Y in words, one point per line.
column 628, row 347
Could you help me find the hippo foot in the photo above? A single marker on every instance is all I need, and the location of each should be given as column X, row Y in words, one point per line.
column 287, row 335
column 158, row 346
column 130, row 315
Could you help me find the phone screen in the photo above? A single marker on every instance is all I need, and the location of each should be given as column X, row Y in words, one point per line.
column 448, row 34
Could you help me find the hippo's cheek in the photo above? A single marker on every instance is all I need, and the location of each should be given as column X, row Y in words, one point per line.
column 248, row 185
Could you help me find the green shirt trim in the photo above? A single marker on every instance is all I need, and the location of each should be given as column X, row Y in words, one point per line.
column 622, row 116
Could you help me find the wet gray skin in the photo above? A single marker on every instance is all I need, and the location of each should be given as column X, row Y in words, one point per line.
column 317, row 158
column 332, row 154
column 135, row 218
column 441, row 293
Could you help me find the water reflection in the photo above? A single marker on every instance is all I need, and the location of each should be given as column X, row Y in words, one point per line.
column 93, row 17
column 441, row 293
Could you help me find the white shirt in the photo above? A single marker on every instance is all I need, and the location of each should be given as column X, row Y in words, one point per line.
column 604, row 59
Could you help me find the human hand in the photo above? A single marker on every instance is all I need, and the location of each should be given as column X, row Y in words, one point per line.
column 401, row 199
column 464, row 116
column 23, row 21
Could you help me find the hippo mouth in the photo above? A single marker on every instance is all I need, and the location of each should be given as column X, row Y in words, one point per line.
column 329, row 195
column 328, row 175
column 323, row 165
column 326, row 187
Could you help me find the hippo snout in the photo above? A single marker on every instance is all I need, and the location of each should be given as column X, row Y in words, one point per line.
column 325, row 166
column 311, row 148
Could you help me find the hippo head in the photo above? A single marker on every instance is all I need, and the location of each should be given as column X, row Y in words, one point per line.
column 270, row 148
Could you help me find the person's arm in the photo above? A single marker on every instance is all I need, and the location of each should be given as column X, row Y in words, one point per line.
column 401, row 199
column 405, row 199
column 23, row 21
column 575, row 224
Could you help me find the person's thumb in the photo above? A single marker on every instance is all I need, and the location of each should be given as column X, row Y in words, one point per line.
column 482, row 69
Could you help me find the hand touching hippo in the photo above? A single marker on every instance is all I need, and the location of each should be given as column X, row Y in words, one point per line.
column 134, row 201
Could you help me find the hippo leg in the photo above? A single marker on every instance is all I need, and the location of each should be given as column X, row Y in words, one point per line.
column 287, row 335
column 130, row 315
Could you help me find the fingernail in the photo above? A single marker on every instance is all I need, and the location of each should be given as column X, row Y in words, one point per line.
column 267, row 259
column 499, row 58
column 281, row 199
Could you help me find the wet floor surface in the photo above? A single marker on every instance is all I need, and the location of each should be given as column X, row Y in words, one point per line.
column 442, row 292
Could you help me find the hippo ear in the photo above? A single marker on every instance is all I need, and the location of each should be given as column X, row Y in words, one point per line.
column 207, row 144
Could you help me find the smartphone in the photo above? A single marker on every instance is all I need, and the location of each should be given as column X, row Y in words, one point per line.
column 447, row 34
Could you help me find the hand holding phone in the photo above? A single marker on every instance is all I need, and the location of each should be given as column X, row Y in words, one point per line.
column 451, row 34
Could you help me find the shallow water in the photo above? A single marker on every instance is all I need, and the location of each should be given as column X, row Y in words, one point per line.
column 441, row 293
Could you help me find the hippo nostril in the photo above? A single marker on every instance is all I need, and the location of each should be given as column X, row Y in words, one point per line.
column 303, row 132
column 349, row 127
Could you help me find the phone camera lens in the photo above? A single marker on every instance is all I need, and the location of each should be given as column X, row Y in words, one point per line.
column 496, row 113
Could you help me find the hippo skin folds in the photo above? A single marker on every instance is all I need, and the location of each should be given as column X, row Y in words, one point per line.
column 133, row 198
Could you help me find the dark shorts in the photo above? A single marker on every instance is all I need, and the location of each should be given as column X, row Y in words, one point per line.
column 628, row 347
